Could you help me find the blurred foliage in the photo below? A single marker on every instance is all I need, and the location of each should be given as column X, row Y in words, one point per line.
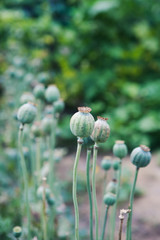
column 104, row 54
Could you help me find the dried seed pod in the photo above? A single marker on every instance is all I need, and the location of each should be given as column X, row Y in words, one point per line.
column 59, row 106
column 82, row 122
column 141, row 156
column 39, row 91
column 112, row 186
column 17, row 231
column 106, row 163
column 52, row 94
column 26, row 97
column 27, row 113
column 120, row 149
column 47, row 124
column 109, row 199
column 101, row 130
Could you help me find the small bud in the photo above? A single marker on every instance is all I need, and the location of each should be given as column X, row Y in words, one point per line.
column 115, row 165
column 39, row 91
column 59, row 106
column 47, row 124
column 141, row 156
column 52, row 94
column 106, row 163
column 36, row 129
column 112, row 186
column 82, row 122
column 101, row 130
column 17, row 231
column 109, row 199
column 120, row 149
column 27, row 113
column 26, row 97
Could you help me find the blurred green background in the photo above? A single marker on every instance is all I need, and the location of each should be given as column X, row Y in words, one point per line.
column 104, row 54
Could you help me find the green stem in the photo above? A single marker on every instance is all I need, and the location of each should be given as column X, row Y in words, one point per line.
column 89, row 192
column 38, row 161
column 51, row 164
column 102, row 206
column 74, row 188
column 25, row 177
column 129, row 222
column 117, row 198
column 104, row 224
column 94, row 188
column 44, row 215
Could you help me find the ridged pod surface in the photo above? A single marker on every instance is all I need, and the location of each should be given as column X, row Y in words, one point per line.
column 39, row 91
column 27, row 113
column 36, row 129
column 120, row 149
column 52, row 94
column 101, row 130
column 82, row 122
column 47, row 124
column 59, row 106
column 109, row 199
column 106, row 163
column 26, row 97
column 116, row 165
column 141, row 156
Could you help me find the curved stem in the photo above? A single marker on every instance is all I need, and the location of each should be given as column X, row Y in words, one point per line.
column 129, row 223
column 74, row 188
column 25, row 177
column 104, row 224
column 89, row 192
column 117, row 198
column 94, row 188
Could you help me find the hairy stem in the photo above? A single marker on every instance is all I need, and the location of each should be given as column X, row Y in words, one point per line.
column 94, row 189
column 74, row 188
column 25, row 178
column 89, row 192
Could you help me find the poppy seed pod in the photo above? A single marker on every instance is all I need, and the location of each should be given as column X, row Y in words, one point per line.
column 50, row 200
column 115, row 165
column 101, row 130
column 36, row 129
column 27, row 113
column 88, row 142
column 112, row 186
column 106, row 163
column 59, row 106
column 39, row 91
column 52, row 94
column 26, row 97
column 40, row 191
column 120, row 149
column 141, row 156
column 82, row 122
column 109, row 199
column 47, row 124
column 17, row 231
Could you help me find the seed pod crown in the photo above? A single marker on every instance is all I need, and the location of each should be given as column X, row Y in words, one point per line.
column 141, row 156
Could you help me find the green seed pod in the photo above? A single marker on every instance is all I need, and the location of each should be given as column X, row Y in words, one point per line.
column 50, row 200
column 39, row 91
column 82, row 122
column 40, row 191
column 26, row 97
column 43, row 78
column 59, row 106
column 47, row 124
column 112, row 186
column 120, row 149
column 48, row 109
column 101, row 130
column 109, row 199
column 115, row 165
column 141, row 156
column 106, row 163
column 27, row 113
column 36, row 129
column 52, row 94
column 88, row 142
column 17, row 231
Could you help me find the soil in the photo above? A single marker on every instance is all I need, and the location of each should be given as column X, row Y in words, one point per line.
column 146, row 211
